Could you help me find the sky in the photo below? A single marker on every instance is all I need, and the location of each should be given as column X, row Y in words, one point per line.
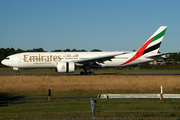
column 108, row 25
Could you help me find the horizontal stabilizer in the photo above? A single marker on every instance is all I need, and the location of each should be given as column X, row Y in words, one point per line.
column 158, row 55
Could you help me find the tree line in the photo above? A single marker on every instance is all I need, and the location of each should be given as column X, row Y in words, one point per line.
column 4, row 52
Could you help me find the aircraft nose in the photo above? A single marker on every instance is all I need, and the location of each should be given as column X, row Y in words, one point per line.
column 2, row 62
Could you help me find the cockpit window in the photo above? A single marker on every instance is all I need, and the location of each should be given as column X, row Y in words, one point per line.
column 7, row 58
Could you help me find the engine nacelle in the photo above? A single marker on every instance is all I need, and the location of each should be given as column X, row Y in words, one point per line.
column 65, row 67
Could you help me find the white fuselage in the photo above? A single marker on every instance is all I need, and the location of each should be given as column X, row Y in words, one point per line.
column 50, row 59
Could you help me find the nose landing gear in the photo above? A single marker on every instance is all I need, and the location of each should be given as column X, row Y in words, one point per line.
column 17, row 70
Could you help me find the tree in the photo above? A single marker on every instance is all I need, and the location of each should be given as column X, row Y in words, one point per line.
column 175, row 56
column 19, row 50
column 57, row 51
column 96, row 50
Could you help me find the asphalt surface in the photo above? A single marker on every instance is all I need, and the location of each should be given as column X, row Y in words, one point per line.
column 98, row 74
column 43, row 98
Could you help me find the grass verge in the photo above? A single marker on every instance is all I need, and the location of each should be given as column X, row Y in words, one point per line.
column 82, row 108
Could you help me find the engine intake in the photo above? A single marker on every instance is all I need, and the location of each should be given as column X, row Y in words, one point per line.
column 65, row 67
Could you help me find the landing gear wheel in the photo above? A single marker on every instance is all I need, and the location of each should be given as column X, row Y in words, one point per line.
column 92, row 73
column 17, row 73
column 82, row 73
column 87, row 73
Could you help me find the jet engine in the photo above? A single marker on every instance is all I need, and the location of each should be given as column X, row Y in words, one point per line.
column 65, row 67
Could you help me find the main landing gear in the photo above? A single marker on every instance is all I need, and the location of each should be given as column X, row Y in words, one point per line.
column 87, row 73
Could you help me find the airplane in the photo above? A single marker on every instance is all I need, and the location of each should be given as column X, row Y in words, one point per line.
column 66, row 62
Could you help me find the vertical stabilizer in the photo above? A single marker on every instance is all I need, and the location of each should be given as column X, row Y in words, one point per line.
column 151, row 45
column 154, row 42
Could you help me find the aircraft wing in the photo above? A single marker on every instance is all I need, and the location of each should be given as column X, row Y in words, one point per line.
column 158, row 55
column 99, row 59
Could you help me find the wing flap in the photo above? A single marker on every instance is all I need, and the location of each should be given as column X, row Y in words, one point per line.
column 99, row 59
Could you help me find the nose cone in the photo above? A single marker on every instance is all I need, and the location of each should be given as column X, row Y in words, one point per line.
column 4, row 62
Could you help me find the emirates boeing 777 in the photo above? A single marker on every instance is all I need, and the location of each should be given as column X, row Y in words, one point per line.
column 65, row 62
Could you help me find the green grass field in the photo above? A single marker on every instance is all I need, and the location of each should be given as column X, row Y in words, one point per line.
column 81, row 108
